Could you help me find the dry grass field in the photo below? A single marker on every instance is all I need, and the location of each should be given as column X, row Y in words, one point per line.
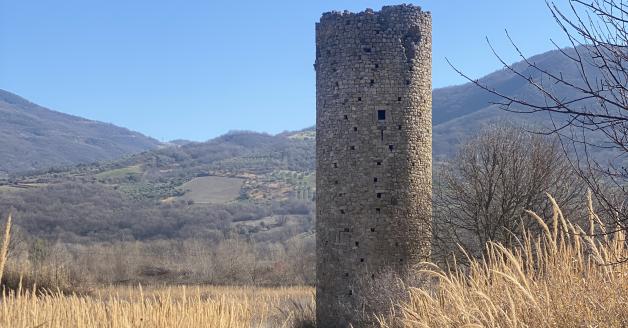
column 567, row 277
column 212, row 190
column 216, row 307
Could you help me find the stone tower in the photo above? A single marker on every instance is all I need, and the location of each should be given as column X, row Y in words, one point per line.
column 374, row 152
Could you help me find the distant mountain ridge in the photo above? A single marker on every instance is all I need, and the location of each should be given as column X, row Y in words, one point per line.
column 33, row 137
column 462, row 110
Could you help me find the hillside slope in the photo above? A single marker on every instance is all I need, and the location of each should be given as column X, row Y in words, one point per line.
column 460, row 111
column 33, row 137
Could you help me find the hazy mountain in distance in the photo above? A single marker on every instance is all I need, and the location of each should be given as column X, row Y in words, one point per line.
column 33, row 137
column 460, row 111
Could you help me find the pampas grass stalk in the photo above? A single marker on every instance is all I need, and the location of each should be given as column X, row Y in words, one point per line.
column 567, row 276
column 4, row 251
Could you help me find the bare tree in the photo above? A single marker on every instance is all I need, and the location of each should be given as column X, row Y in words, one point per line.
column 589, row 109
column 482, row 194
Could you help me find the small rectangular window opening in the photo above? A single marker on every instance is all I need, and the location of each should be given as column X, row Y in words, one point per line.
column 375, row 179
column 372, row 229
column 335, row 165
column 398, row 127
column 381, row 115
column 361, row 260
column 367, row 50
column 379, row 195
column 398, row 98
column 379, row 163
column 391, row 147
column 352, row 147
column 357, row 243
column 359, row 98
column 342, row 211
column 346, row 274
column 336, row 182
column 372, row 82
column 378, row 210
column 376, row 65
column 355, row 128
column 346, row 117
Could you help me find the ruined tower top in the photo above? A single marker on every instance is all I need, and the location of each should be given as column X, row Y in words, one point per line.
column 373, row 148
column 386, row 10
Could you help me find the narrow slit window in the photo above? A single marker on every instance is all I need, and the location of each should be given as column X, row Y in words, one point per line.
column 381, row 135
column 381, row 115
column 357, row 243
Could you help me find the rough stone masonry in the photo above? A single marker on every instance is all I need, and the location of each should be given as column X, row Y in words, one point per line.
column 374, row 152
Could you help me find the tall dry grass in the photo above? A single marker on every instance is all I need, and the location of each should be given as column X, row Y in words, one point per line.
column 4, row 250
column 219, row 307
column 216, row 307
column 567, row 277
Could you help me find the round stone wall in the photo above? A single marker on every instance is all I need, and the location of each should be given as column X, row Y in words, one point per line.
column 374, row 152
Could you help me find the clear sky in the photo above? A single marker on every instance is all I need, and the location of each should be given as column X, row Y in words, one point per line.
column 192, row 69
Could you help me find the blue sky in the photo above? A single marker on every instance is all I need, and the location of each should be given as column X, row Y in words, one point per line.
column 194, row 69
